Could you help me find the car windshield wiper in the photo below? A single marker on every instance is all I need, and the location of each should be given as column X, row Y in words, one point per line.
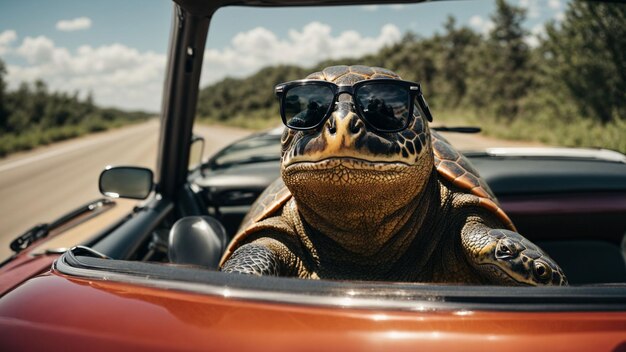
column 42, row 230
column 459, row 129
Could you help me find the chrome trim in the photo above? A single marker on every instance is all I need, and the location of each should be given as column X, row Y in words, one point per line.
column 556, row 152
column 52, row 251
column 433, row 298
column 70, row 219
column 348, row 299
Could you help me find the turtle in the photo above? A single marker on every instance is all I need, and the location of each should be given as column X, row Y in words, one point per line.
column 353, row 203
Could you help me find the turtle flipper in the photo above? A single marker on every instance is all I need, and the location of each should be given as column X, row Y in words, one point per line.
column 253, row 259
column 264, row 256
column 506, row 257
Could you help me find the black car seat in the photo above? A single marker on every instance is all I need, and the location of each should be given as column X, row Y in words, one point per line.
column 197, row 240
column 588, row 261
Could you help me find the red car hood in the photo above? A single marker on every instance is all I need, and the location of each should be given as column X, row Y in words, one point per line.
column 54, row 312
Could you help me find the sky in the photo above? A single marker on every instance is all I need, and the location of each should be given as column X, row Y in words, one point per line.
column 117, row 49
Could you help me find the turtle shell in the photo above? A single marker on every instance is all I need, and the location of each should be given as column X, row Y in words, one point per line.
column 269, row 202
column 454, row 167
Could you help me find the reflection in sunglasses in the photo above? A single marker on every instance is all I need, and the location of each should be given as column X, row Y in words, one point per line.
column 382, row 104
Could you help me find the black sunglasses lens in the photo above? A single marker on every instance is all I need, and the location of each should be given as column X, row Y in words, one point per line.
column 306, row 106
column 385, row 106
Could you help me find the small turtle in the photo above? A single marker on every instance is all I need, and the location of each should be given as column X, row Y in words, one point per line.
column 356, row 203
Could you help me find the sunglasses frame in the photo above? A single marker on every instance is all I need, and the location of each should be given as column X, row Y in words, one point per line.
column 414, row 89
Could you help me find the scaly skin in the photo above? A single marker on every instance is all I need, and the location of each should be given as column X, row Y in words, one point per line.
column 381, row 206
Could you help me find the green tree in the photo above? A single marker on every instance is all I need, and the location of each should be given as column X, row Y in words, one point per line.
column 4, row 112
column 413, row 58
column 40, row 101
column 19, row 106
column 458, row 51
column 585, row 56
column 500, row 78
column 231, row 97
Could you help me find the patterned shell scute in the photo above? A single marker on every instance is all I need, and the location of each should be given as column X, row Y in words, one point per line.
column 352, row 74
column 455, row 167
column 268, row 203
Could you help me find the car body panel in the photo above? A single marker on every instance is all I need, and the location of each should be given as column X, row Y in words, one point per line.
column 22, row 267
column 43, row 308
column 107, row 315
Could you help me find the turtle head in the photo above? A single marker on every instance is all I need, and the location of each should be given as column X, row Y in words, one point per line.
column 509, row 257
column 344, row 135
column 345, row 155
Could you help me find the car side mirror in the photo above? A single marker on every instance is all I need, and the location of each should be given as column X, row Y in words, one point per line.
column 126, row 182
column 196, row 148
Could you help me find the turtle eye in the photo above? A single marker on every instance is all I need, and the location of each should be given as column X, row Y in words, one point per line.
column 505, row 250
column 542, row 271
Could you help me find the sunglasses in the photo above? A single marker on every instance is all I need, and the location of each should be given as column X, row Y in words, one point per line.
column 385, row 105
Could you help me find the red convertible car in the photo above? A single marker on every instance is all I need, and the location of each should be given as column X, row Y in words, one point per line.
column 149, row 281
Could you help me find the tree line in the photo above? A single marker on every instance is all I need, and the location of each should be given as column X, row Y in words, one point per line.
column 568, row 88
column 33, row 115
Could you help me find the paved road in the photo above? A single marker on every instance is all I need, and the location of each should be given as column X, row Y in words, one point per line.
column 43, row 184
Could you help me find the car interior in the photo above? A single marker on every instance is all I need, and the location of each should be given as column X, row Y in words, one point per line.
column 572, row 206
column 585, row 237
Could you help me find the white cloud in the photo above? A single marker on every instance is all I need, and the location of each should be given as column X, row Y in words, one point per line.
column 249, row 51
column 116, row 74
column 533, row 8
column 41, row 50
column 6, row 38
column 554, row 4
column 75, row 24
column 536, row 33
column 482, row 25
column 125, row 77
column 370, row 7
column 559, row 16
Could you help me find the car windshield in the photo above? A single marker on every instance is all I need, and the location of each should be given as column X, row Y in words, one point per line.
column 264, row 147
column 529, row 73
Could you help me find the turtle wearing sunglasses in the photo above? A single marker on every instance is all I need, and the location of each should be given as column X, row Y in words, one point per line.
column 369, row 192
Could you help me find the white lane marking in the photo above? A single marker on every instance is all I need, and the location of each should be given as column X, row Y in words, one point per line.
column 69, row 148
